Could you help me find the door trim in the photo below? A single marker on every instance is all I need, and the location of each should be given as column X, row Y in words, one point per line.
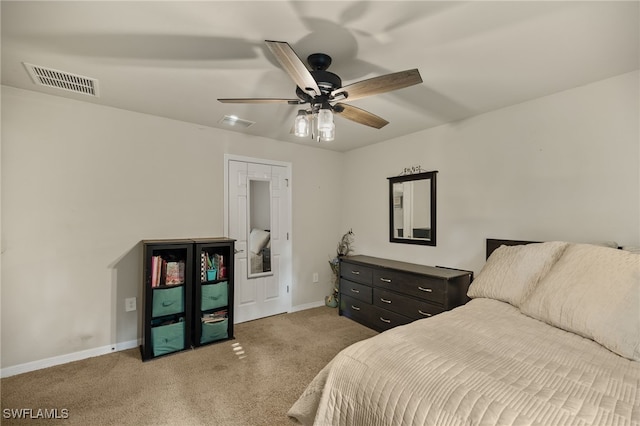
column 286, row 273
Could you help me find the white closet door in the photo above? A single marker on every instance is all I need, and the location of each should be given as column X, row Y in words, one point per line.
column 259, row 294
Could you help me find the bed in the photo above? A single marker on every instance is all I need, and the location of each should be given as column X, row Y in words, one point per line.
column 551, row 336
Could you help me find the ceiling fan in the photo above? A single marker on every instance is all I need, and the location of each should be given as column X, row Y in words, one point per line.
column 323, row 91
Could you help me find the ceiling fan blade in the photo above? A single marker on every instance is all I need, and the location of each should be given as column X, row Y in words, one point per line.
column 359, row 115
column 259, row 101
column 294, row 66
column 382, row 84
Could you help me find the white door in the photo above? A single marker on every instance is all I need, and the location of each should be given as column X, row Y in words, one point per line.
column 259, row 220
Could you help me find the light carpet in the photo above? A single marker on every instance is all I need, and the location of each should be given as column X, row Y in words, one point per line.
column 210, row 385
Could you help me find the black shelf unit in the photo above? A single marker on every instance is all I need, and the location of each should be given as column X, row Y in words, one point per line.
column 167, row 313
column 213, row 295
column 178, row 294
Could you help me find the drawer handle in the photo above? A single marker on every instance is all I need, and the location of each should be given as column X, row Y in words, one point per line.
column 355, row 308
column 385, row 300
column 353, row 290
column 428, row 290
column 424, row 313
column 386, row 280
column 385, row 320
column 355, row 272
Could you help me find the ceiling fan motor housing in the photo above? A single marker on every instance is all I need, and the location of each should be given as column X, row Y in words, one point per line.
column 327, row 81
column 319, row 61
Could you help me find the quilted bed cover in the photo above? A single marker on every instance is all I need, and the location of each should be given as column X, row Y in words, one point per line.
column 482, row 363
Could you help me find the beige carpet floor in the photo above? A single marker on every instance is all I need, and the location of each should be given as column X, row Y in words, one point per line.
column 211, row 385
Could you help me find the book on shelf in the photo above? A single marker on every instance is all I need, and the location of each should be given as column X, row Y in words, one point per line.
column 203, row 266
column 166, row 273
column 157, row 267
column 214, row 317
column 175, row 273
column 222, row 269
column 162, row 276
column 154, row 271
column 211, row 262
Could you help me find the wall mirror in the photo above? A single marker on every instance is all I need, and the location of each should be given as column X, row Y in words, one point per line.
column 412, row 208
column 259, row 227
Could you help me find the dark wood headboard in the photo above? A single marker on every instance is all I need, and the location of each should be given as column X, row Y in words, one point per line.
column 493, row 244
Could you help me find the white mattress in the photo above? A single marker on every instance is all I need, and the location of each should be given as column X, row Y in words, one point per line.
column 483, row 363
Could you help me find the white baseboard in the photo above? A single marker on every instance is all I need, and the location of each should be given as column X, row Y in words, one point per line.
column 63, row 359
column 307, row 306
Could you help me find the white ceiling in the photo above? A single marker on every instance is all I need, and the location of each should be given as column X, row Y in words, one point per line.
column 174, row 59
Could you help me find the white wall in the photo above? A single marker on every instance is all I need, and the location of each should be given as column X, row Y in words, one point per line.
column 561, row 167
column 82, row 185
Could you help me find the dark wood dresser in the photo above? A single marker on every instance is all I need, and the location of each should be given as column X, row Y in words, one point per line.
column 383, row 293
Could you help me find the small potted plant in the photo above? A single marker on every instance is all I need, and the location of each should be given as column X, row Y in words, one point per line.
column 344, row 249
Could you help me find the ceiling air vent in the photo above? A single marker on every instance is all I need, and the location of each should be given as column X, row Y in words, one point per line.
column 232, row 120
column 62, row 80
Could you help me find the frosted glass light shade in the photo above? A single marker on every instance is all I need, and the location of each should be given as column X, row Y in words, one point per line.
column 327, row 134
column 301, row 124
column 325, row 120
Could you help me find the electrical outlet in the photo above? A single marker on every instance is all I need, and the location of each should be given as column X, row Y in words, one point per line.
column 130, row 304
column 315, row 277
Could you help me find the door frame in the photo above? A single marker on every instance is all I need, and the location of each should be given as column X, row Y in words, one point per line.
column 286, row 272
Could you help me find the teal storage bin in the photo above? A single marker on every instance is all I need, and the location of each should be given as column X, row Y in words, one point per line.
column 214, row 296
column 167, row 338
column 167, row 301
column 214, row 331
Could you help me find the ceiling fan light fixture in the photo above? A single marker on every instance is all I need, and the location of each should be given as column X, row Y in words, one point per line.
column 325, row 118
column 302, row 124
column 319, row 88
column 327, row 134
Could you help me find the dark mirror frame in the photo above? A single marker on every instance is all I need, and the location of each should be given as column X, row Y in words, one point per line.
column 431, row 176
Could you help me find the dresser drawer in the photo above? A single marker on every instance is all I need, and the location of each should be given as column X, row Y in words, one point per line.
column 357, row 291
column 358, row 273
column 408, row 306
column 370, row 315
column 423, row 287
column 383, row 319
column 355, row 309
